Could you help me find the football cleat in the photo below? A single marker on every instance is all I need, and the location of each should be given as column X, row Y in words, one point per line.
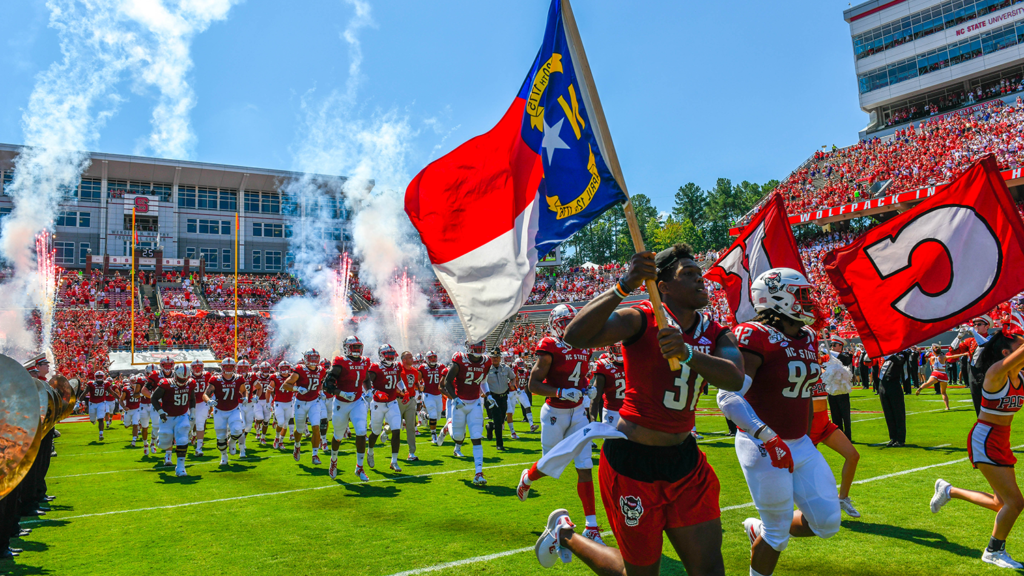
column 412, row 458
column 1000, row 558
column 369, row 458
column 847, row 507
column 753, row 528
column 324, row 445
column 515, row 436
column 199, row 451
column 394, row 466
column 696, row 435
column 296, row 453
column 145, row 449
column 223, row 459
column 523, row 490
column 458, row 451
column 316, row 459
column 361, row 475
column 941, row 495
column 167, row 459
column 534, row 427
column 333, row 470
column 133, row 444
column 548, row 548
column 101, row 436
column 179, row 470
column 479, row 479
column 593, row 533
column 433, row 439
column 241, row 453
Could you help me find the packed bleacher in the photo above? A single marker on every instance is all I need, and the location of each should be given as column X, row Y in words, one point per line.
column 179, row 298
column 255, row 291
column 991, row 89
column 78, row 290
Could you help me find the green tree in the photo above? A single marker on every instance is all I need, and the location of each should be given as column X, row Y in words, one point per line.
column 690, row 200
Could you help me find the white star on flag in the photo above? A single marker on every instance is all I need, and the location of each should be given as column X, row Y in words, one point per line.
column 551, row 140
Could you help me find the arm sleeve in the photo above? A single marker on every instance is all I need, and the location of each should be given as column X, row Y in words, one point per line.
column 736, row 408
column 484, row 387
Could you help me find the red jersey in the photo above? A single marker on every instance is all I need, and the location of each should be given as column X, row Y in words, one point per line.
column 132, row 399
column 145, row 400
column 614, row 383
column 176, row 396
column 228, row 393
column 1007, row 401
column 411, row 377
column 433, row 377
column 569, row 368
column 969, row 345
column 247, row 387
column 309, row 379
column 202, row 383
column 276, row 388
column 353, row 372
column 657, row 397
column 523, row 378
column 471, row 375
column 96, row 391
column 784, row 383
column 385, row 383
column 260, row 385
column 110, row 392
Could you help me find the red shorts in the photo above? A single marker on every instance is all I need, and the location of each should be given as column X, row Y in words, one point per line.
column 639, row 512
column 989, row 443
column 940, row 376
column 821, row 427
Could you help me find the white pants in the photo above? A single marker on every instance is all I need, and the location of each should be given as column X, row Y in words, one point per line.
column 283, row 412
column 471, row 416
column 174, row 432
column 132, row 417
column 510, row 402
column 144, row 415
column 111, row 406
column 524, row 399
column 225, row 421
column 303, row 410
column 449, row 409
column 774, row 490
column 432, row 404
column 154, row 416
column 248, row 413
column 97, row 411
column 327, row 408
column 263, row 410
column 379, row 411
column 202, row 413
column 345, row 412
column 611, row 417
column 559, row 423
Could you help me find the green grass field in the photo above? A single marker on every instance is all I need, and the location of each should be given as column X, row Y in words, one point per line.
column 118, row 513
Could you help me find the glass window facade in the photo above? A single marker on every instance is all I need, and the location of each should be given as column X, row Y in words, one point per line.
column 257, row 259
column 64, row 253
column 83, row 252
column 210, row 255
column 273, row 260
column 942, row 57
column 90, row 189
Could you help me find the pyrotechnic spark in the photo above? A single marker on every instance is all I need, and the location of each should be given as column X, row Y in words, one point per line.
column 403, row 306
column 340, row 303
column 46, row 274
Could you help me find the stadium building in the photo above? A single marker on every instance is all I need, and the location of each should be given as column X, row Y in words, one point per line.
column 917, row 59
column 184, row 215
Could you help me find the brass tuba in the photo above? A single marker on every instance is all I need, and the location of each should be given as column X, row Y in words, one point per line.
column 29, row 409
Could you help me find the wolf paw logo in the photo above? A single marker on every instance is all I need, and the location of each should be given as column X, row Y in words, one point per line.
column 553, row 419
column 774, row 282
column 762, row 450
column 632, row 509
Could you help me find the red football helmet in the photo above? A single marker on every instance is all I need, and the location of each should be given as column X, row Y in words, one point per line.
column 432, row 358
column 243, row 367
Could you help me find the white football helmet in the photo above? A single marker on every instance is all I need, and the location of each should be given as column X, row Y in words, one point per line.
column 560, row 318
column 353, row 347
column 180, row 373
column 785, row 291
column 227, row 366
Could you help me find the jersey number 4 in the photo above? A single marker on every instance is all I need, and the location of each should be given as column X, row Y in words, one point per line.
column 680, row 399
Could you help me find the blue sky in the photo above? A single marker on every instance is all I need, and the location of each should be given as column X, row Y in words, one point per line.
column 692, row 91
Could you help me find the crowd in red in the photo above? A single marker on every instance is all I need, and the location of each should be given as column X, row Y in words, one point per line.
column 914, row 157
column 255, row 291
column 82, row 338
column 78, row 290
column 179, row 298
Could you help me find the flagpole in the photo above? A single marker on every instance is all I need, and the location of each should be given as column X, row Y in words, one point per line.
column 597, row 116
column 131, row 238
column 236, row 285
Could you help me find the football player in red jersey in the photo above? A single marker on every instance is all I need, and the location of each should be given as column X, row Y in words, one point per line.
column 385, row 378
column 96, row 390
column 284, row 404
column 262, row 411
column 609, row 380
column 111, row 400
column 145, row 411
column 346, row 380
column 413, row 381
column 305, row 381
column 173, row 397
column 523, row 394
column 247, row 406
column 465, row 383
column 433, row 375
column 202, row 410
column 988, row 443
column 773, row 413
column 132, row 401
column 560, row 375
column 656, row 479
column 226, row 390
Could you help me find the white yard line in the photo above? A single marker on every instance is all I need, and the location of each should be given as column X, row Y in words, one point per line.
column 234, row 460
column 497, row 555
column 939, row 446
column 909, row 414
column 339, row 484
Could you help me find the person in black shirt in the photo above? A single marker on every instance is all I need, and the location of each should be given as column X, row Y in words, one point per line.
column 890, row 392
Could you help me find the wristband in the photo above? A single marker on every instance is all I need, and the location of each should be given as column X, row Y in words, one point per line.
column 689, row 352
column 619, row 291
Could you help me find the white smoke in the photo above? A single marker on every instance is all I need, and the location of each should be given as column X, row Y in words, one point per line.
column 371, row 153
column 69, row 105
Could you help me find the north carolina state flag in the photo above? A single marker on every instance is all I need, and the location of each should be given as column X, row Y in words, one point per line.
column 954, row 256
column 766, row 243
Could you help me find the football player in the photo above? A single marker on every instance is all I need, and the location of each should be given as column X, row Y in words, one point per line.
column 305, row 380
column 347, row 381
column 202, row 409
column 145, row 413
column 560, row 376
column 283, row 401
column 413, row 381
column 226, row 391
column 523, row 398
column 386, row 380
column 772, row 411
column 656, row 480
column 609, row 380
column 132, row 401
column 173, row 398
column 111, row 400
column 465, row 383
column 262, row 411
column 247, row 406
column 433, row 375
column 96, row 391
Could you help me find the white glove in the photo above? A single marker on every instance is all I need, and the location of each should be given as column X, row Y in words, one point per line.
column 570, row 394
column 491, row 402
column 367, row 396
column 347, row 396
column 459, row 403
column 302, row 390
column 163, row 415
column 592, row 392
column 401, row 388
column 213, row 402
